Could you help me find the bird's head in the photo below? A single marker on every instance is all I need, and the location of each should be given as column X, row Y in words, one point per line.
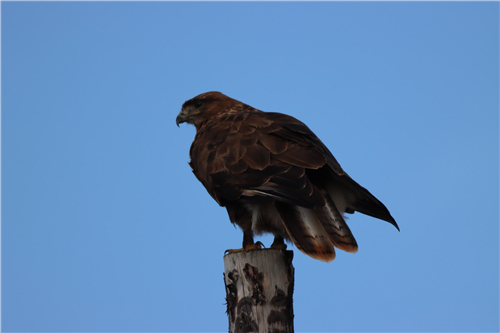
column 202, row 107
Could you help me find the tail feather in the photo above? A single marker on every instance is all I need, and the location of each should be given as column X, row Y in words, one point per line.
column 361, row 200
column 335, row 226
column 306, row 231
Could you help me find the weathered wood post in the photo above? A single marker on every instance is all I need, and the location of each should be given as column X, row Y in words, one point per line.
column 259, row 291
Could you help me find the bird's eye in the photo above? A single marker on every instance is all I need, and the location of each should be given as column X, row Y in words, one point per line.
column 198, row 104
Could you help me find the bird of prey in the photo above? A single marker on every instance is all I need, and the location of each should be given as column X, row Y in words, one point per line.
column 274, row 175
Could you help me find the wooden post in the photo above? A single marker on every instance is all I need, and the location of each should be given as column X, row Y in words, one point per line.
column 259, row 291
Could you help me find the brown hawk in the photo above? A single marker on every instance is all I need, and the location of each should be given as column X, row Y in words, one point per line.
column 274, row 175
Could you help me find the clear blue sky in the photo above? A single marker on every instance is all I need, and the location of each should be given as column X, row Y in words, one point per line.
column 105, row 228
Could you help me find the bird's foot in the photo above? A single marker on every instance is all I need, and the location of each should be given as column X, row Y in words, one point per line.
column 279, row 243
column 249, row 247
column 279, row 246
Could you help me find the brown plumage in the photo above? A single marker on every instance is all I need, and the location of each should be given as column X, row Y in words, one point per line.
column 274, row 175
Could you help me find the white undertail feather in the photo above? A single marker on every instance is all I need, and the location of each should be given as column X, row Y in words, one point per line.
column 313, row 224
column 334, row 224
column 316, row 230
column 319, row 231
column 255, row 211
column 272, row 214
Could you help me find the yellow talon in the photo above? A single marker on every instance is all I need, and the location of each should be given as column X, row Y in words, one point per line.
column 279, row 243
column 279, row 246
column 249, row 247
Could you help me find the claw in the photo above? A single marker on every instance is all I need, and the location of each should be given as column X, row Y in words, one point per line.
column 279, row 243
column 279, row 246
column 249, row 247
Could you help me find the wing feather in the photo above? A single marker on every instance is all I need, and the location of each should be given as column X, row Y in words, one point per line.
column 273, row 143
column 257, row 157
column 254, row 157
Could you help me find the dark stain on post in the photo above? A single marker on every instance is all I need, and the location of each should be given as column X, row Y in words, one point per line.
column 244, row 322
column 291, row 281
column 277, row 317
column 277, row 330
column 282, row 314
column 253, row 275
column 279, row 300
column 245, row 306
column 231, row 294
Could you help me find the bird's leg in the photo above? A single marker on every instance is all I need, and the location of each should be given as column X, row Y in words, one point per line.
column 248, row 243
column 279, row 243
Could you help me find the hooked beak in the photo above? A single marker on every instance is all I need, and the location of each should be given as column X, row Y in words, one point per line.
column 180, row 119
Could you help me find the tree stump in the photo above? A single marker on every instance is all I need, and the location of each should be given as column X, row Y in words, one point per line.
column 259, row 291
